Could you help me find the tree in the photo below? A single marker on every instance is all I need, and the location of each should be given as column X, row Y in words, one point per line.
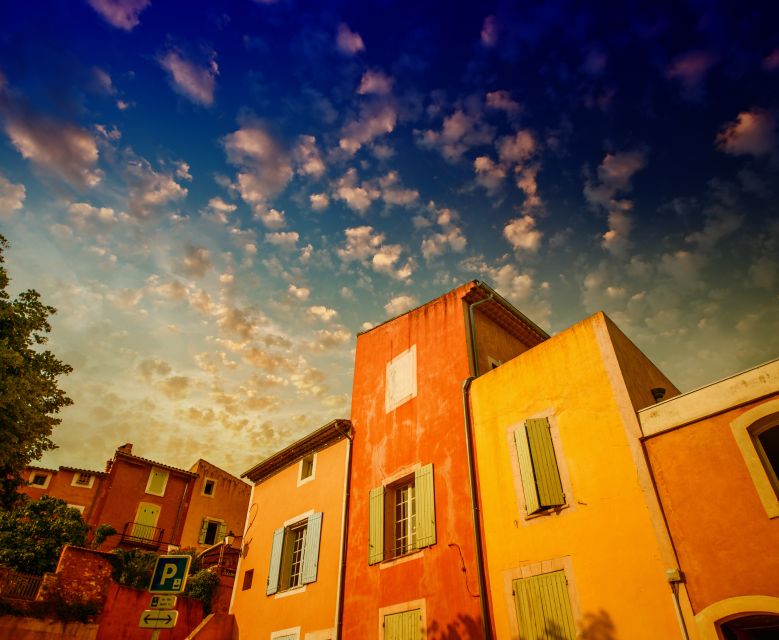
column 29, row 395
column 32, row 535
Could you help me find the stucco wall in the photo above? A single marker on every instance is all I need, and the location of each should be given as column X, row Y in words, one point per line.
column 277, row 500
column 61, row 486
column 34, row 629
column 605, row 537
column 722, row 534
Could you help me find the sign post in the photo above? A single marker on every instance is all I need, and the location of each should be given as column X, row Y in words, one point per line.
column 169, row 578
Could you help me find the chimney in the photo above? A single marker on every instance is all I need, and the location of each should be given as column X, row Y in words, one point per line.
column 126, row 448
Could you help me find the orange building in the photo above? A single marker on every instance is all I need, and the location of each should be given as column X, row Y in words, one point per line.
column 217, row 506
column 77, row 487
column 412, row 564
column 575, row 541
column 714, row 454
column 288, row 582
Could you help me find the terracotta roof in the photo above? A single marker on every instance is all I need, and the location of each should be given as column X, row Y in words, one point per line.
column 32, row 466
column 130, row 456
column 101, row 474
column 333, row 431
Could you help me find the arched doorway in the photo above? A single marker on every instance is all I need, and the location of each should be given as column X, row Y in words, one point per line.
column 755, row 626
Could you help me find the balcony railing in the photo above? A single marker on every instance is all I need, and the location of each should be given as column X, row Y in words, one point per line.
column 136, row 534
column 18, row 585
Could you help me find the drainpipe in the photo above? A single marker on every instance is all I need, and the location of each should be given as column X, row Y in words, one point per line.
column 485, row 607
column 472, row 330
column 674, row 577
column 185, row 499
column 339, row 605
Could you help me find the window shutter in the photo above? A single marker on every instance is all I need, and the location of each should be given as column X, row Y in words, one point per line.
column 550, row 489
column 311, row 550
column 201, row 538
column 543, row 607
column 425, row 499
column 526, row 470
column 220, row 533
column 275, row 562
column 376, row 528
column 403, row 626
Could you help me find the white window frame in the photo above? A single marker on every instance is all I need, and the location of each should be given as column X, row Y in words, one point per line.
column 218, row 522
column 206, row 480
column 283, row 633
column 405, row 365
column 45, row 484
column 164, row 484
column 76, row 476
column 301, row 479
column 303, row 517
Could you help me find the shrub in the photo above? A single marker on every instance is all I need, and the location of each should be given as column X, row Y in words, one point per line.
column 202, row 586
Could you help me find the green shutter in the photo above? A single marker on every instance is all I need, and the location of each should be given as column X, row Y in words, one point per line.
column 201, row 537
column 543, row 607
column 220, row 532
column 275, row 562
column 526, row 470
column 550, row 489
column 311, row 550
column 403, row 626
column 425, row 499
column 376, row 528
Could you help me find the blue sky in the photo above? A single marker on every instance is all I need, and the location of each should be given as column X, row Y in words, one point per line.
column 218, row 198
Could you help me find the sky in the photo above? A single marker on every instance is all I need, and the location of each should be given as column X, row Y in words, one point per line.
column 217, row 197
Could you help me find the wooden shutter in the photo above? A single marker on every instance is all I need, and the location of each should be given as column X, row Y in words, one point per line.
column 275, row 561
column 220, row 532
column 311, row 550
column 403, row 626
column 376, row 526
column 541, row 483
column 550, row 489
column 201, row 538
column 543, row 607
column 425, row 499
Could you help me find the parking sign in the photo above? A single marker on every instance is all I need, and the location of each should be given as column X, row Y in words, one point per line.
column 170, row 574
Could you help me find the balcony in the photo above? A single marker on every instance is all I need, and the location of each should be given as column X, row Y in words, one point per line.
column 140, row 535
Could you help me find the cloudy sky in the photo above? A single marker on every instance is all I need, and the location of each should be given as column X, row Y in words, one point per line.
column 217, row 197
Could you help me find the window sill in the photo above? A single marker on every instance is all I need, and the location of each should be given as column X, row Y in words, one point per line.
column 289, row 592
column 386, row 564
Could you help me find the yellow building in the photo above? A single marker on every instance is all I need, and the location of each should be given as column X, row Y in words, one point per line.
column 574, row 537
column 288, row 584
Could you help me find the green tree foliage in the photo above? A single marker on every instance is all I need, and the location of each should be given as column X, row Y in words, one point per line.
column 133, row 568
column 32, row 535
column 202, row 585
column 29, row 395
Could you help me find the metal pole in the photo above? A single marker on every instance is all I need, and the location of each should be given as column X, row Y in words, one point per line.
column 155, row 634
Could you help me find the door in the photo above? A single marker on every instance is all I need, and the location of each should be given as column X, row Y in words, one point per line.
column 145, row 523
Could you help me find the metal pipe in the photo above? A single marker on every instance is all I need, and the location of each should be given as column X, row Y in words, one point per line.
column 678, row 608
column 472, row 330
column 485, row 607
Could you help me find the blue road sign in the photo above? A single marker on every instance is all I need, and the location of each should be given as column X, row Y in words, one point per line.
column 170, row 574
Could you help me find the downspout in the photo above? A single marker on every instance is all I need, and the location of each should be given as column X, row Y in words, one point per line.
column 339, row 605
column 485, row 607
column 185, row 500
column 674, row 582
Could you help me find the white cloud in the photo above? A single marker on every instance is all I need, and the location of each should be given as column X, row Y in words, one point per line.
column 329, row 339
column 323, row 313
column 221, row 209
column 196, row 261
column 522, row 234
column 122, row 14
column 82, row 212
column 11, row 197
column 365, row 245
column 194, row 82
column 375, row 82
column 450, row 236
column 357, row 197
column 502, row 101
column 489, row 32
column 752, row 133
column 617, row 169
column 690, row 70
column 348, row 41
column 60, row 148
column 399, row 304
column 489, row 174
column 376, row 119
column 517, row 149
column 301, row 293
column 393, row 193
column 308, row 157
column 319, row 201
column 284, row 239
column 459, row 132
column 149, row 190
column 265, row 168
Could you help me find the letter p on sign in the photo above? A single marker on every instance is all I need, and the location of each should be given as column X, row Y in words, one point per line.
column 170, row 574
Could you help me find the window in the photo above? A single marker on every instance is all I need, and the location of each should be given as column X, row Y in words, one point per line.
column 84, row 480
column 158, row 480
column 307, row 469
column 248, row 577
column 211, row 531
column 406, row 625
column 402, row 516
column 543, row 607
column 541, row 485
column 295, row 554
column 209, row 486
column 401, row 379
column 767, row 444
column 40, row 480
